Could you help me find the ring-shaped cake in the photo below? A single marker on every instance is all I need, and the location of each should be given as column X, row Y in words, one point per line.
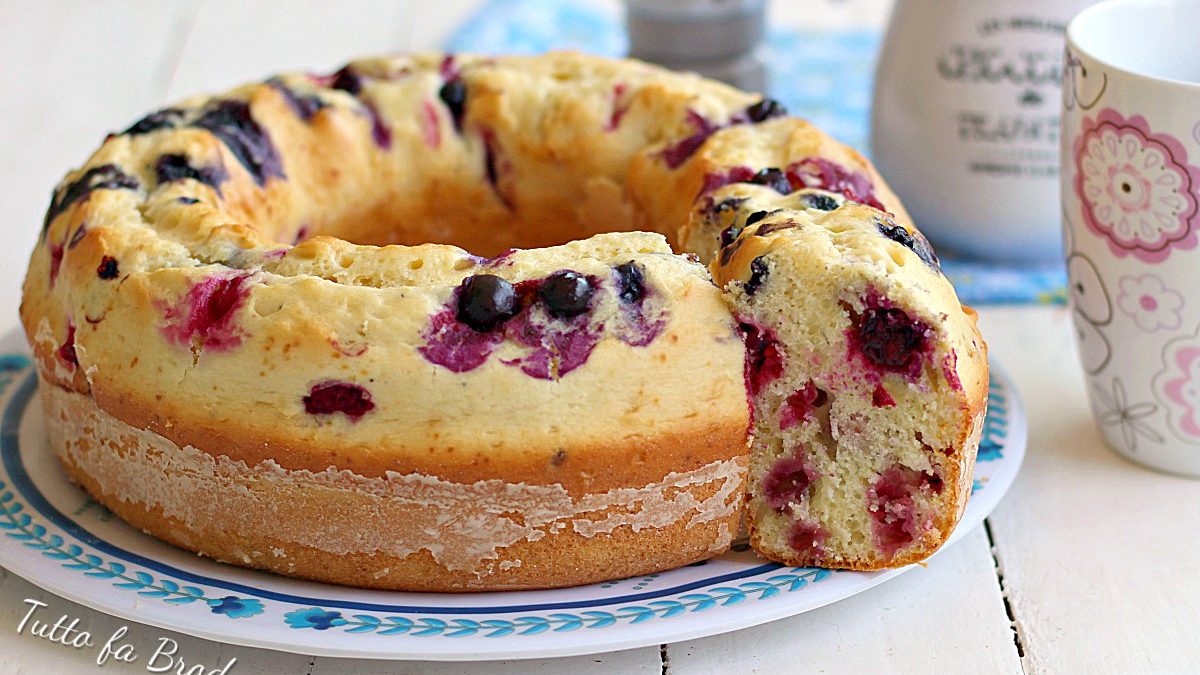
column 247, row 349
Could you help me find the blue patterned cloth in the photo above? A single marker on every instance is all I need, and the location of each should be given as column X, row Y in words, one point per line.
column 823, row 76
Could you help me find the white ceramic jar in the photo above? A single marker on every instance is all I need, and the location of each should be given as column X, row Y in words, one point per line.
column 965, row 122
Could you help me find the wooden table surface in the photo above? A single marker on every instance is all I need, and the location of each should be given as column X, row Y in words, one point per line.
column 1090, row 565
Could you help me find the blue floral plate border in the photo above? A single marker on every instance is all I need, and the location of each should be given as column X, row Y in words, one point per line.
column 52, row 534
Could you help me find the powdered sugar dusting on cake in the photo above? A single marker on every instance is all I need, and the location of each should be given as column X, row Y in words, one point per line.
column 477, row 517
column 657, row 509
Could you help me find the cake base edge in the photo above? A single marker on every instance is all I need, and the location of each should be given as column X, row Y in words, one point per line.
column 410, row 533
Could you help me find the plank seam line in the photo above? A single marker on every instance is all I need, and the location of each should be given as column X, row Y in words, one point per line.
column 312, row 665
column 664, row 658
column 1013, row 624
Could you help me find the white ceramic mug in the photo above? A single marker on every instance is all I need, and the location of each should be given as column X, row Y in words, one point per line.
column 1131, row 214
column 965, row 122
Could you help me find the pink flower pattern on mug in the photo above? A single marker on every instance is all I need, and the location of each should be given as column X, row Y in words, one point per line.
column 1148, row 301
column 1177, row 386
column 1136, row 187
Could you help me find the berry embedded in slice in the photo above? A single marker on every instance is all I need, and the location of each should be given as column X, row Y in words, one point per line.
column 891, row 339
column 807, row 538
column 639, row 322
column 881, row 398
column 764, row 359
column 787, row 482
column 556, row 348
column 800, row 405
column 456, row 346
column 899, row 509
column 485, row 301
column 759, row 271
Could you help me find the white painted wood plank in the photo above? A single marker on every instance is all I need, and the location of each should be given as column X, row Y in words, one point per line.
column 1100, row 557
column 946, row 618
column 72, row 72
column 233, row 41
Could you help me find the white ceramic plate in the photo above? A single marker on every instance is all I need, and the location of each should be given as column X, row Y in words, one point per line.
column 52, row 534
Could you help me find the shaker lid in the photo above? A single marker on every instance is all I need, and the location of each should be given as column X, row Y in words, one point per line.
column 688, row 31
